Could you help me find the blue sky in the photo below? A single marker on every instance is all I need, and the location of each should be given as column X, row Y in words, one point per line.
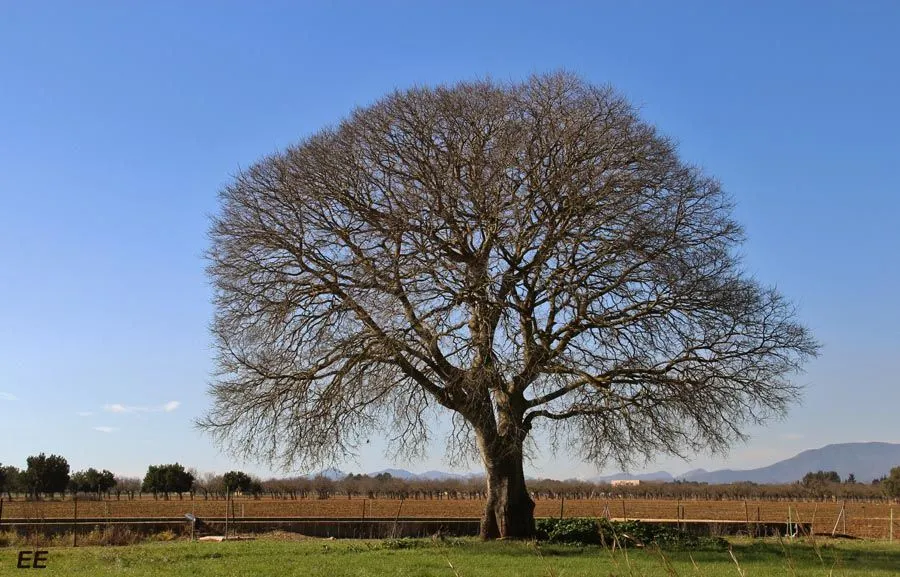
column 119, row 121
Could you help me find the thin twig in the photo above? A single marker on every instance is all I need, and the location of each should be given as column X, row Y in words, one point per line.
column 550, row 571
column 738, row 565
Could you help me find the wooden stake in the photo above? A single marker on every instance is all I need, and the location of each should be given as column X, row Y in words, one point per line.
column 396, row 520
column 624, row 514
column 891, row 540
column 562, row 504
column 75, row 522
column 838, row 520
column 812, row 523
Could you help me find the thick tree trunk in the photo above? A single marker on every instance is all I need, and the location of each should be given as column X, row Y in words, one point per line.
column 509, row 511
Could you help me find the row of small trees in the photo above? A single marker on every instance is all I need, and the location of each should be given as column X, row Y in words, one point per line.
column 815, row 485
column 49, row 475
column 45, row 475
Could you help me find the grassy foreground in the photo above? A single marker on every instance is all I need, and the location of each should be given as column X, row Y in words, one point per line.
column 462, row 558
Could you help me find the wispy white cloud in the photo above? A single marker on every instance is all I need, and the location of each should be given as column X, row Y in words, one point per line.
column 117, row 408
column 85, row 414
column 120, row 408
column 8, row 397
column 104, row 429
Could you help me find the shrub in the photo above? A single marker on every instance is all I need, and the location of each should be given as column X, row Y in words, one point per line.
column 577, row 530
column 623, row 533
column 115, row 535
column 401, row 543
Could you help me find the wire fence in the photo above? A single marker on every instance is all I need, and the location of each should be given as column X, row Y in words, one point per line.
column 868, row 520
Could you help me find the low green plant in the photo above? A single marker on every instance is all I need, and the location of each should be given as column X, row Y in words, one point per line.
column 115, row 535
column 573, row 531
column 402, row 543
column 586, row 531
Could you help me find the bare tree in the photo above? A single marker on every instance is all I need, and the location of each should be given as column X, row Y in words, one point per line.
column 522, row 255
column 127, row 485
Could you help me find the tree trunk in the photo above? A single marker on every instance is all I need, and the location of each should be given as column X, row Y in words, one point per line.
column 509, row 511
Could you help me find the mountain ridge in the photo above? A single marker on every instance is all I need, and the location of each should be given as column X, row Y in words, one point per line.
column 866, row 460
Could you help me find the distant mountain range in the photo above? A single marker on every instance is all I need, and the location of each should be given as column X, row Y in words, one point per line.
column 426, row 476
column 867, row 461
column 337, row 474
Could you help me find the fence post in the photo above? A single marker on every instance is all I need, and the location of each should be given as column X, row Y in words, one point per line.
column 396, row 520
column 838, row 520
column 844, row 524
column 1, row 511
column 890, row 540
column 75, row 521
column 747, row 516
column 790, row 522
column 562, row 504
column 812, row 522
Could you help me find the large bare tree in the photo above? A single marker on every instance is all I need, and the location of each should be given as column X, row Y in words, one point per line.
column 522, row 255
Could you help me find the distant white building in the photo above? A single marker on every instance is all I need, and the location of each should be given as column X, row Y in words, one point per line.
column 625, row 482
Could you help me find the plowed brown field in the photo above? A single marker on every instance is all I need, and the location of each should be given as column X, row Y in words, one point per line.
column 870, row 520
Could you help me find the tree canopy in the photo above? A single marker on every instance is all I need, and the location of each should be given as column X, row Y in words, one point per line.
column 46, row 474
column 525, row 256
column 12, row 479
column 821, row 477
column 237, row 481
column 167, row 479
column 891, row 483
column 93, row 481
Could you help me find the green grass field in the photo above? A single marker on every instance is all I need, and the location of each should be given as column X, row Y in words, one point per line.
column 464, row 558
